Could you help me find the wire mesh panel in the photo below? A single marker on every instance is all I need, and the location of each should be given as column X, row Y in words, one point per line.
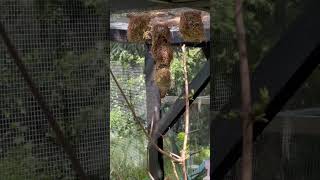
column 265, row 23
column 128, row 148
column 63, row 44
column 287, row 147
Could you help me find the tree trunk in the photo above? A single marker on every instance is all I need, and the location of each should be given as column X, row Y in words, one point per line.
column 247, row 125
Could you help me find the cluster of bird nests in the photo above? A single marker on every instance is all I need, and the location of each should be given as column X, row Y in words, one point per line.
column 191, row 26
column 138, row 25
column 162, row 54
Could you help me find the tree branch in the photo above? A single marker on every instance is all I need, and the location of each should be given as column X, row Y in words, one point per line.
column 175, row 170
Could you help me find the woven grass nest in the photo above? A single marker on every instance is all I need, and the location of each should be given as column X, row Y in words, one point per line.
column 191, row 26
column 138, row 25
column 163, row 56
column 160, row 34
column 163, row 80
column 161, row 49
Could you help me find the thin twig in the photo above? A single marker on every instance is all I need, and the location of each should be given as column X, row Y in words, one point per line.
column 186, row 133
column 137, row 120
column 152, row 178
column 173, row 154
column 43, row 105
column 175, row 170
column 152, row 121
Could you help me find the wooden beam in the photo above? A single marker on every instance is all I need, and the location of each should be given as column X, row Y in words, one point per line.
column 119, row 34
column 283, row 70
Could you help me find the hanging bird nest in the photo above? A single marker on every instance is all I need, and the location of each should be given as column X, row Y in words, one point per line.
column 138, row 25
column 160, row 34
column 163, row 92
column 191, row 26
column 163, row 56
column 163, row 80
column 161, row 49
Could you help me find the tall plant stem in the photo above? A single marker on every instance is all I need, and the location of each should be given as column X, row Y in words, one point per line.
column 186, row 116
column 247, row 125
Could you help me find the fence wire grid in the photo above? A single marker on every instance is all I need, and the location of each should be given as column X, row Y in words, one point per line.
column 287, row 149
column 64, row 46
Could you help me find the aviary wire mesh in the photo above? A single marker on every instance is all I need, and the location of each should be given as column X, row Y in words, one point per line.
column 64, row 46
column 288, row 147
column 128, row 148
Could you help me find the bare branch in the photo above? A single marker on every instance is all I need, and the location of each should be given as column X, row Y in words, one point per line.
column 151, row 127
column 175, row 170
column 185, row 141
column 152, row 178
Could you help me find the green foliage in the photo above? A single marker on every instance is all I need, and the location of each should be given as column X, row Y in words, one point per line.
column 121, row 122
column 180, row 138
column 19, row 162
column 127, row 54
column 195, row 60
column 204, row 154
column 125, row 160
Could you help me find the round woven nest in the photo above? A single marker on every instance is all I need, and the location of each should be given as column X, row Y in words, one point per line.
column 160, row 34
column 163, row 55
column 163, row 80
column 191, row 26
column 138, row 25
